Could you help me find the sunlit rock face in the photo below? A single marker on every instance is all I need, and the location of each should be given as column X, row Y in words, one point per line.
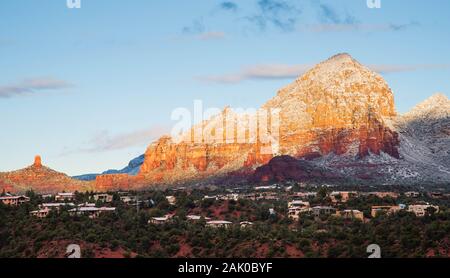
column 41, row 179
column 339, row 107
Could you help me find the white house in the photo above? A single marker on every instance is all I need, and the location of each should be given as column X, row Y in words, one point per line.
column 171, row 199
column 218, row 224
column 196, row 217
column 296, row 207
column 64, row 196
column 103, row 197
column 160, row 220
column 14, row 200
column 92, row 212
column 246, row 224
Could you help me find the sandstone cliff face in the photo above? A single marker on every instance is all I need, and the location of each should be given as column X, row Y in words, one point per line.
column 111, row 182
column 41, row 179
column 337, row 107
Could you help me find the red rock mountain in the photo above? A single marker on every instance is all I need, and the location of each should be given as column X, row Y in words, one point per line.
column 41, row 179
column 339, row 107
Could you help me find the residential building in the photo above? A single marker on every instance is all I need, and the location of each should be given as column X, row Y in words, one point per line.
column 57, row 206
column 436, row 195
column 412, row 194
column 246, row 224
column 14, row 200
column 196, row 217
column 382, row 195
column 171, row 199
column 342, row 196
column 206, row 197
column 128, row 199
column 420, row 210
column 64, row 197
column 351, row 214
column 92, row 212
column 103, row 197
column 45, row 208
column 303, row 195
column 376, row 210
column 219, row 224
column 272, row 211
column 42, row 213
column 266, row 187
column 296, row 207
column 160, row 220
column 323, row 210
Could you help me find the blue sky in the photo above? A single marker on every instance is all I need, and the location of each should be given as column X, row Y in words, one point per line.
column 90, row 88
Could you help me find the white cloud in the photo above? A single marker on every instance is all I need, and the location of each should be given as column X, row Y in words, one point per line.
column 280, row 71
column 104, row 141
column 33, row 85
column 214, row 35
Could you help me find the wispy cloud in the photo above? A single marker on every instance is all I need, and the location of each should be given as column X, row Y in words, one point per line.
column 280, row 71
column 328, row 14
column 400, row 27
column 195, row 27
column 258, row 72
column 104, row 141
column 355, row 27
column 33, row 86
column 333, row 20
column 212, row 35
column 229, row 6
column 386, row 69
column 280, row 14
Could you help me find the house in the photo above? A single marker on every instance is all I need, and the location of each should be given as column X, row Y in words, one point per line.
column 14, row 200
column 420, row 210
column 323, row 210
column 206, row 197
column 196, row 217
column 351, row 214
column 272, row 211
column 382, row 195
column 267, row 196
column 267, row 187
column 436, row 195
column 42, row 213
column 250, row 196
column 45, row 208
column 296, row 207
column 342, row 196
column 171, row 199
column 128, row 199
column 298, row 203
column 105, row 198
column 91, row 212
column 160, row 220
column 303, row 195
column 412, row 194
column 57, row 206
column 64, row 197
column 246, row 224
column 218, row 224
column 376, row 210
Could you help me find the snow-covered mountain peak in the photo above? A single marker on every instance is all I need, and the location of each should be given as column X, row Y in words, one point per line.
column 435, row 107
